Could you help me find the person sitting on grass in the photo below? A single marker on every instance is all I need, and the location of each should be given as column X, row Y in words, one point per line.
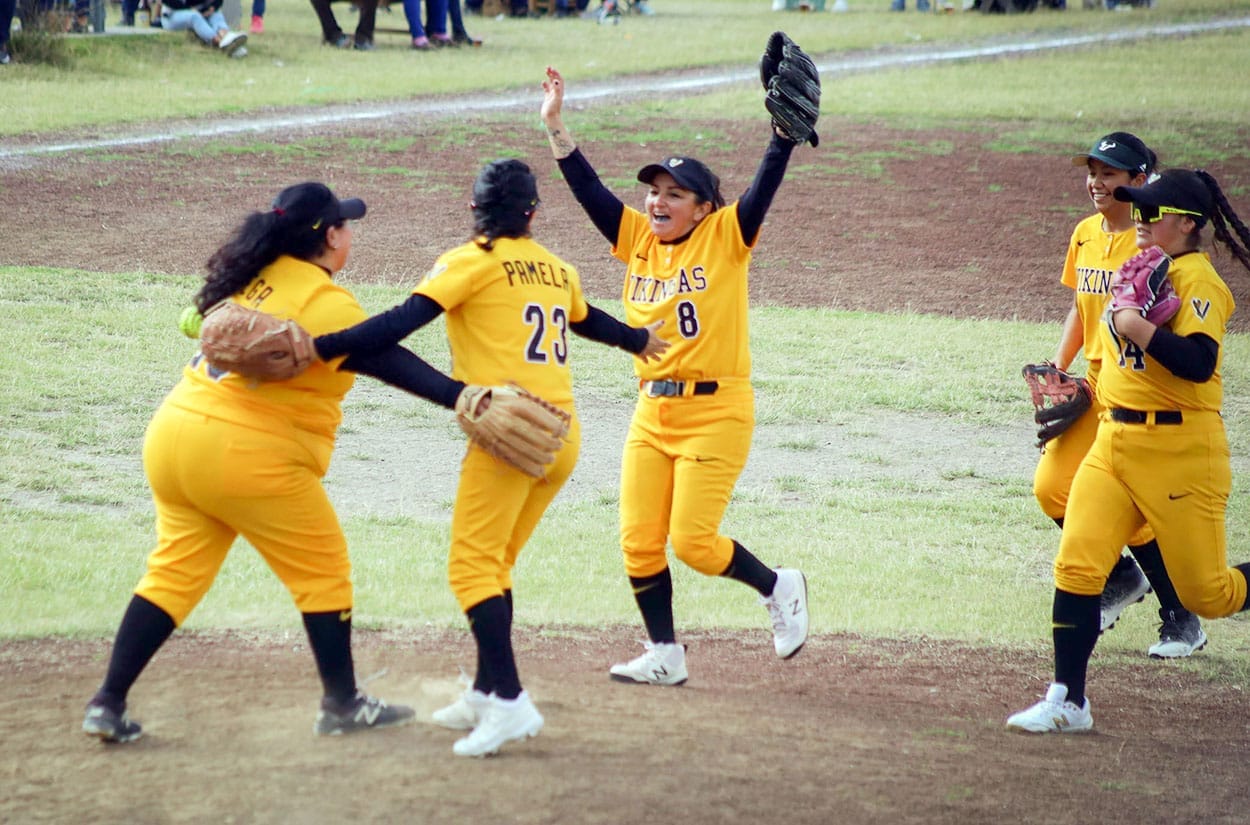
column 208, row 23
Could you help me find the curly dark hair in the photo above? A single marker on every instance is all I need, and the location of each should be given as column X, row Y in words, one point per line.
column 295, row 226
column 505, row 196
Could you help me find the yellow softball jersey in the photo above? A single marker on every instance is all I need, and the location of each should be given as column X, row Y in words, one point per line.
column 694, row 286
column 1133, row 380
column 1094, row 256
column 508, row 314
column 301, row 291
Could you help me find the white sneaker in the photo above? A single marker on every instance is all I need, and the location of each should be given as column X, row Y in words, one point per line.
column 1054, row 714
column 1122, row 589
column 1178, row 636
column 465, row 712
column 504, row 720
column 788, row 608
column 661, row 664
column 232, row 41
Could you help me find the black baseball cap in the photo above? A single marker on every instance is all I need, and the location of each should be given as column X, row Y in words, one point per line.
column 1121, row 150
column 313, row 203
column 1176, row 188
column 690, row 174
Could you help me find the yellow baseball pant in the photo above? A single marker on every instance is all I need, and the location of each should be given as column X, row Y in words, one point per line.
column 1174, row 477
column 1052, row 480
column 497, row 509
column 682, row 458
column 212, row 481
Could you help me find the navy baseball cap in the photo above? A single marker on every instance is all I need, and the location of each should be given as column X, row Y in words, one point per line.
column 315, row 204
column 690, row 174
column 1121, row 150
column 1178, row 189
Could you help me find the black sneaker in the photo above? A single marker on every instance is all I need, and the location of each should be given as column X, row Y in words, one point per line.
column 340, row 42
column 4, row 56
column 363, row 45
column 110, row 725
column 363, row 713
column 1180, row 635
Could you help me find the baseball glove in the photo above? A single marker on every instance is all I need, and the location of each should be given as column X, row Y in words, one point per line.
column 1142, row 283
column 254, row 344
column 513, row 425
column 1059, row 399
column 793, row 88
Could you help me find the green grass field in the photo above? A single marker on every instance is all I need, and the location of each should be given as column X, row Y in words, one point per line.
column 951, row 557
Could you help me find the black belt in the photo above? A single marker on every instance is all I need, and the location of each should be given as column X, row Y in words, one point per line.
column 666, row 389
column 1139, row 417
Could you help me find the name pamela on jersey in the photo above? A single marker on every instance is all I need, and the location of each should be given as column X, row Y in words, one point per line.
column 645, row 290
column 535, row 273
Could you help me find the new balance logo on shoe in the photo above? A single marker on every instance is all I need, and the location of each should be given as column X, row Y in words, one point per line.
column 368, row 714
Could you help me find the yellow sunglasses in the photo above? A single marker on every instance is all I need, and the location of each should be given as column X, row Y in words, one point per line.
column 1154, row 214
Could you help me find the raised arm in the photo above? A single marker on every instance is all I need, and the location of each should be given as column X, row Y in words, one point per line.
column 603, row 208
column 754, row 203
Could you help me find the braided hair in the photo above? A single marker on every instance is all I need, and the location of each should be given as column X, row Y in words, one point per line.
column 505, row 196
column 295, row 226
column 1223, row 217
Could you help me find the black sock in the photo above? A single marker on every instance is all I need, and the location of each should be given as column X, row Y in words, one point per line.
column 1074, row 626
column 654, row 595
column 490, row 623
column 1151, row 562
column 330, row 636
column 144, row 628
column 749, row 570
column 484, row 679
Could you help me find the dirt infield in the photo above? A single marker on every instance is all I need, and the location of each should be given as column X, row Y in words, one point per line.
column 854, row 730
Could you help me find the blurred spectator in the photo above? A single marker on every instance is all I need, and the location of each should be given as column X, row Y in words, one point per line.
column 458, row 33
column 331, row 33
column 900, row 5
column 571, row 8
column 435, row 31
column 208, row 23
column 258, row 16
column 7, row 7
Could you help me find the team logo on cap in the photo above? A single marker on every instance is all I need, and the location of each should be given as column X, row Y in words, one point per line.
column 673, row 163
column 1105, row 145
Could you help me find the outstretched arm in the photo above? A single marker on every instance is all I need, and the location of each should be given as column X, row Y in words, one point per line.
column 603, row 208
column 381, row 331
column 558, row 136
column 754, row 203
column 402, row 368
column 602, row 327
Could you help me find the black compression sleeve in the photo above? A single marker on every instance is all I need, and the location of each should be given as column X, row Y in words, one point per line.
column 383, row 330
column 602, row 327
column 604, row 208
column 1191, row 357
column 754, row 203
column 402, row 368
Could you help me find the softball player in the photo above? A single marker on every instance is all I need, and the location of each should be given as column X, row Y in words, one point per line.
column 1099, row 245
column 1160, row 456
column 510, row 305
column 226, row 456
column 686, row 263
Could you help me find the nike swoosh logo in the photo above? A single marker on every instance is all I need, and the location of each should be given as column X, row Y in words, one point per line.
column 1175, row 496
column 345, row 615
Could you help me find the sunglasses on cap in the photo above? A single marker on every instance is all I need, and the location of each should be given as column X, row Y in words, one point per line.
column 1153, row 214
